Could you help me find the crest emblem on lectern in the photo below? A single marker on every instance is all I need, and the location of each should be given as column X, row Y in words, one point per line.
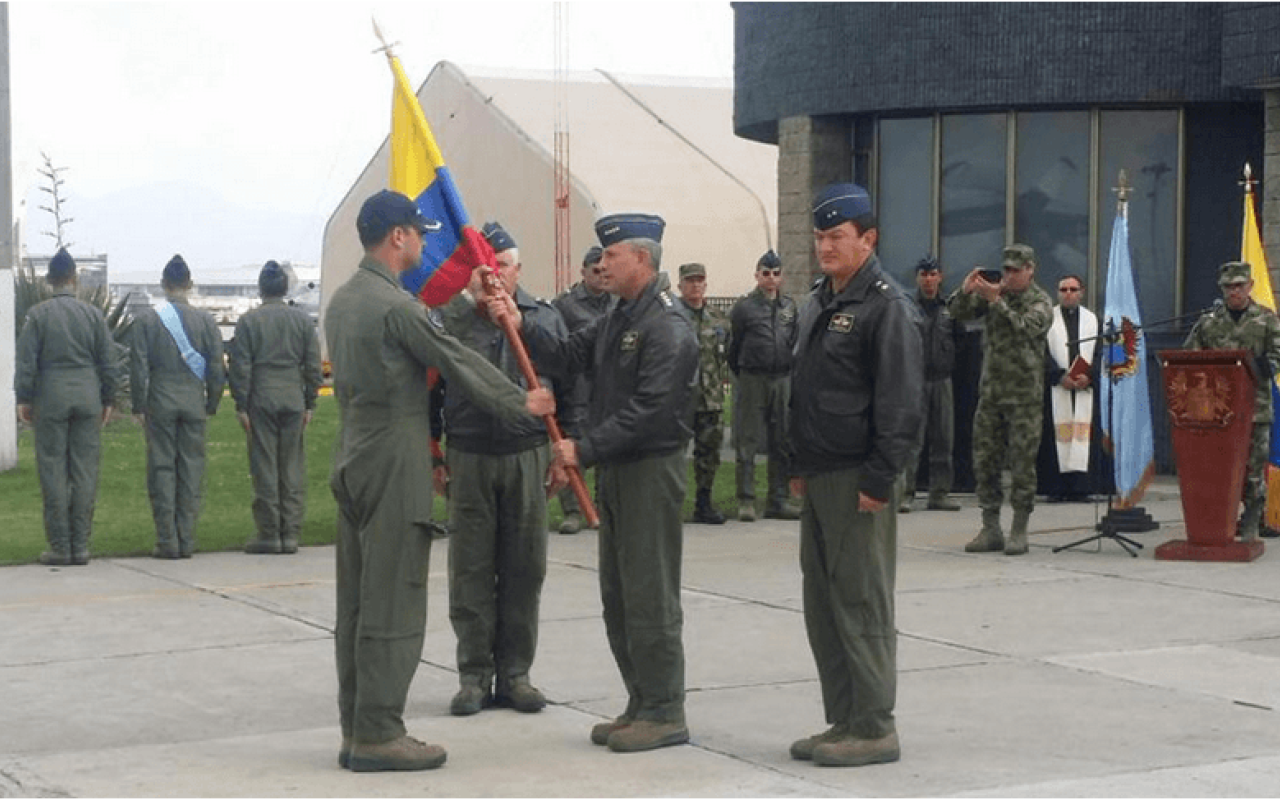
column 1200, row 400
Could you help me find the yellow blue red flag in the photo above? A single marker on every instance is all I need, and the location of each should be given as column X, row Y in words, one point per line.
column 450, row 253
column 1252, row 252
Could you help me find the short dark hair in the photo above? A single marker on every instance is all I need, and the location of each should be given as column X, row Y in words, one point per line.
column 1072, row 277
column 273, row 281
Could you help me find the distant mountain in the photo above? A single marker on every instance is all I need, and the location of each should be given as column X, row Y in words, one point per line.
column 142, row 227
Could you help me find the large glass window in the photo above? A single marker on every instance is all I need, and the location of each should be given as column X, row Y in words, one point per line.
column 973, row 191
column 1051, row 184
column 906, row 199
column 1145, row 145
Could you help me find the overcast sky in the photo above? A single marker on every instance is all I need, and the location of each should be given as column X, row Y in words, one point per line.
column 230, row 107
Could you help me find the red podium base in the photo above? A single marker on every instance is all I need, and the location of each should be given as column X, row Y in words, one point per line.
column 1182, row 550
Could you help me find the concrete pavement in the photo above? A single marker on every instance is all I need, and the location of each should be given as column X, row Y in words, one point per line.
column 1083, row 673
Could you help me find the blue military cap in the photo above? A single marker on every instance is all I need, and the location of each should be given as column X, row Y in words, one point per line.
column 176, row 272
column 62, row 267
column 592, row 256
column 840, row 202
column 386, row 210
column 928, row 264
column 620, row 227
column 497, row 237
column 273, row 281
column 769, row 260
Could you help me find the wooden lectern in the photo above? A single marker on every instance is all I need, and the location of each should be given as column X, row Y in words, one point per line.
column 1210, row 395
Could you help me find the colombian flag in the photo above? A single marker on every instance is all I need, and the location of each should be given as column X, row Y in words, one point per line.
column 418, row 171
column 1251, row 251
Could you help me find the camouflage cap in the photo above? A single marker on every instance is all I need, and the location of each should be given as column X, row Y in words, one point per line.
column 692, row 270
column 1018, row 255
column 1234, row 272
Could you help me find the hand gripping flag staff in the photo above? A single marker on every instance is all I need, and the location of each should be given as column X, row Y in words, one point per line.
column 455, row 248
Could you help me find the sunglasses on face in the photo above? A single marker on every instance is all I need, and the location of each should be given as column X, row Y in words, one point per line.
column 771, row 273
column 1069, row 289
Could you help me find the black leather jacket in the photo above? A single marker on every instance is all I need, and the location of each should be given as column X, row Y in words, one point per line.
column 468, row 427
column 643, row 360
column 762, row 334
column 857, row 386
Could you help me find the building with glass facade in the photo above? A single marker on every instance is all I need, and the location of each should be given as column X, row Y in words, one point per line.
column 977, row 125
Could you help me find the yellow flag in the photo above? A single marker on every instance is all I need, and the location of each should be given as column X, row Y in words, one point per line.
column 1251, row 251
column 414, row 154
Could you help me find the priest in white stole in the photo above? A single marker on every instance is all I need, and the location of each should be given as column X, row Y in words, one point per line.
column 1069, row 414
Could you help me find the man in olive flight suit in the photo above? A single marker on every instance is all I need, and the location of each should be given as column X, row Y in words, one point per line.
column 644, row 360
column 381, row 341
column 275, row 376
column 176, row 380
column 496, row 472
column 65, row 379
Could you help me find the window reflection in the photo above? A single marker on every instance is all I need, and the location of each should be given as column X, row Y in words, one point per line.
column 1052, row 187
column 905, row 199
column 973, row 190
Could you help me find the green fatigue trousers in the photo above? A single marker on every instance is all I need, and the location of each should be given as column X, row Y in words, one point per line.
column 760, row 424
column 641, row 539
column 936, row 436
column 67, row 456
column 1255, row 479
column 175, row 473
column 383, row 557
column 277, row 464
column 708, row 437
column 849, row 561
column 1006, row 434
column 497, row 561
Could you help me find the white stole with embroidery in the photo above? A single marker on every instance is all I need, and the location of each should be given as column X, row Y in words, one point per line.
column 1072, row 411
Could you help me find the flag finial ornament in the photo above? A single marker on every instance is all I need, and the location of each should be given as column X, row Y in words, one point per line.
column 386, row 48
column 1122, row 190
column 1249, row 181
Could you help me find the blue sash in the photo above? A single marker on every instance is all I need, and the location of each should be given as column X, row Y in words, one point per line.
column 173, row 324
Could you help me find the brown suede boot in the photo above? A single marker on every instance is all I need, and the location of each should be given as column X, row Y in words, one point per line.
column 601, row 732
column 647, row 735
column 802, row 749
column 405, row 754
column 851, row 752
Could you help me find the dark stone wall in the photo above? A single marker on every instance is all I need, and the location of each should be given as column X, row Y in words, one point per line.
column 1251, row 44
column 795, row 59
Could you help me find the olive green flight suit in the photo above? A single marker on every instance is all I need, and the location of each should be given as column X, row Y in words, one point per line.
column 381, row 341
column 176, row 404
column 66, row 371
column 275, row 376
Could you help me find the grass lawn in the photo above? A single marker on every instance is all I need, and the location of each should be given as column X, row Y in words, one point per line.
column 122, row 520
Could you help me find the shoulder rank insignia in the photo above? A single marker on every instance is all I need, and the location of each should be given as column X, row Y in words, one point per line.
column 787, row 314
column 630, row 341
column 435, row 318
column 841, row 323
column 665, row 298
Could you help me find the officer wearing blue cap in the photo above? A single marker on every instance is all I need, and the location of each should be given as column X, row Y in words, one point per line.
column 645, row 360
column 381, row 342
column 65, row 379
column 274, row 372
column 176, row 380
column 584, row 302
column 763, row 334
column 495, row 470
column 856, row 404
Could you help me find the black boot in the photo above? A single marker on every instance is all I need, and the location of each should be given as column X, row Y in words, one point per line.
column 705, row 513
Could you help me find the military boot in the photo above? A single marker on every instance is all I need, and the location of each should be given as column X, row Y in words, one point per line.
column 802, row 749
column 704, row 512
column 907, row 504
column 263, row 545
column 404, row 754
column 647, row 734
column 288, row 543
column 571, row 524
column 471, row 698
column 1251, row 520
column 600, row 732
column 990, row 539
column 782, row 509
column 939, row 501
column 851, row 752
column 1017, row 544
column 747, row 511
column 520, row 695
column 55, row 557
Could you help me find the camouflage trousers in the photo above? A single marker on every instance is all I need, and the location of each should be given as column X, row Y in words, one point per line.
column 1255, row 480
column 1006, row 435
column 708, row 437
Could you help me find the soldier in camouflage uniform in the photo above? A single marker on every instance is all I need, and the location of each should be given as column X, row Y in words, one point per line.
column 1017, row 314
column 1243, row 324
column 712, row 329
column 65, row 381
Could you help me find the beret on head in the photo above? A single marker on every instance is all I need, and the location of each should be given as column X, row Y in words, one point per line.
column 840, row 202
column 620, row 227
column 176, row 272
column 592, row 256
column 62, row 267
column 769, row 260
column 497, row 237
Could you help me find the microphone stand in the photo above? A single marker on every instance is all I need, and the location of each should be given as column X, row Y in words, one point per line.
column 1118, row 521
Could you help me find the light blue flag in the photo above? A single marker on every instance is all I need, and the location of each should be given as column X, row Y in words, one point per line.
column 1127, row 430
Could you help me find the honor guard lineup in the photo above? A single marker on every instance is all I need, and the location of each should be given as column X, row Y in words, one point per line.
column 844, row 392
